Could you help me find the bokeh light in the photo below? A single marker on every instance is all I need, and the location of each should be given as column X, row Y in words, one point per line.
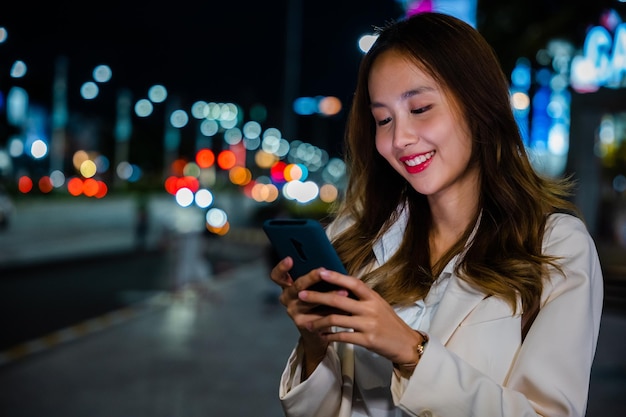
column 89, row 90
column 88, row 168
column 240, row 175
column 205, row 158
column 216, row 217
column 226, row 159
column 39, row 149
column 184, row 197
column 179, row 118
column 157, row 93
column 203, row 198
column 102, row 73
column 143, row 108
column 24, row 184
column 18, row 69
column 45, row 184
column 75, row 186
column 90, row 187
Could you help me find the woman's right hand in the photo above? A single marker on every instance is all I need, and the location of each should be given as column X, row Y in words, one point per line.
column 301, row 312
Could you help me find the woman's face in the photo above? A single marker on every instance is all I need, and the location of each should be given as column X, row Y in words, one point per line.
column 418, row 130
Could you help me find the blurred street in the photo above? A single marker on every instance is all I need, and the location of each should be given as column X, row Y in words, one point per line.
column 96, row 325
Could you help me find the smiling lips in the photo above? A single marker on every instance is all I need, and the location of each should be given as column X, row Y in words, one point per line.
column 417, row 163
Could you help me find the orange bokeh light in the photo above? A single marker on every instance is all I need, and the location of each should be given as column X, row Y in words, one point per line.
column 205, row 158
column 330, row 106
column 178, row 167
column 226, row 159
column 75, row 186
column 240, row 175
column 90, row 187
column 221, row 231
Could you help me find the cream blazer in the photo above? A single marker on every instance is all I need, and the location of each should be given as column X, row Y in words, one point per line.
column 475, row 363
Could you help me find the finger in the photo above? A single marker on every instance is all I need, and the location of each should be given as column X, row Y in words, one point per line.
column 352, row 284
column 280, row 273
column 331, row 302
column 329, row 321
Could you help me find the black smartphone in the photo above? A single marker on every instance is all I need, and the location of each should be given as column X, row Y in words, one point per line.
column 306, row 242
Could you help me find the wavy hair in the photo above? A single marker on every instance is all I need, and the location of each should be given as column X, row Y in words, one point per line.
column 505, row 257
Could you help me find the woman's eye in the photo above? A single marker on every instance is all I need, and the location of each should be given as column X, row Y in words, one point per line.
column 384, row 121
column 421, row 110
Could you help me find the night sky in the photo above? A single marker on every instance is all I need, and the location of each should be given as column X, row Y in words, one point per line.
column 211, row 50
column 235, row 50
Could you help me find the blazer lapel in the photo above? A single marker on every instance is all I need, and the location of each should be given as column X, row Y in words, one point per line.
column 458, row 301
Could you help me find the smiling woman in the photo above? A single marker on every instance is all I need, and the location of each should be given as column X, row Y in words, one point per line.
column 463, row 253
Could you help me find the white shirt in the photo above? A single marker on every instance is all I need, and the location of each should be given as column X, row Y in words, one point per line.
column 373, row 373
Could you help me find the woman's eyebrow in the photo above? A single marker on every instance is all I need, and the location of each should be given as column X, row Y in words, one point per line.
column 408, row 94
column 416, row 91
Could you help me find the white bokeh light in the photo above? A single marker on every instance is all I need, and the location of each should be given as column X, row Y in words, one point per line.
column 216, row 217
column 203, row 198
column 39, row 149
column 184, row 197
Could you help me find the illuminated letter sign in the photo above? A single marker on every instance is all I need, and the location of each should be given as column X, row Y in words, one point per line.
column 603, row 63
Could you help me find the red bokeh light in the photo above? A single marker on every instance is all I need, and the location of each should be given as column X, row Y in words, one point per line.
column 174, row 183
column 45, row 184
column 90, row 187
column 178, row 166
column 25, row 184
column 277, row 171
column 170, row 184
column 103, row 189
column 226, row 159
column 192, row 183
column 205, row 158
column 75, row 186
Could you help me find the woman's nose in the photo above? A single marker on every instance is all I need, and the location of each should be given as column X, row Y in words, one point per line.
column 403, row 135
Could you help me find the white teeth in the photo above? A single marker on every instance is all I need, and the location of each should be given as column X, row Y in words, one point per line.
column 420, row 159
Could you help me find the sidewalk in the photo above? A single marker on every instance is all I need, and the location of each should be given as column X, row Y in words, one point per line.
column 218, row 352
column 184, row 355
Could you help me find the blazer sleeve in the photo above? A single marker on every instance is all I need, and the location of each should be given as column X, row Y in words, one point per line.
column 320, row 395
column 550, row 373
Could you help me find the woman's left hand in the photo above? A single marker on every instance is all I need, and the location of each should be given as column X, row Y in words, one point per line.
column 375, row 324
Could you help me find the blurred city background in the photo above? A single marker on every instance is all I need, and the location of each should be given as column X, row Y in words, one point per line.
column 142, row 144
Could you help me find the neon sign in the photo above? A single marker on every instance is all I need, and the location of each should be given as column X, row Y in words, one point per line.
column 603, row 63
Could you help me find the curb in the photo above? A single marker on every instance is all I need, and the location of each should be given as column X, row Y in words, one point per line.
column 82, row 329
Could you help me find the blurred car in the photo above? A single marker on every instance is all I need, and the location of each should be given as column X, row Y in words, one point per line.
column 6, row 209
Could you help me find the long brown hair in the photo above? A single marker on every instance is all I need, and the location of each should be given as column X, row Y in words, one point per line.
column 505, row 258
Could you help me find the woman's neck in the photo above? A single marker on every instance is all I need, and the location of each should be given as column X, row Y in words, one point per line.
column 452, row 214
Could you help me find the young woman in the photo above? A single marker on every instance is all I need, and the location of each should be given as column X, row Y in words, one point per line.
column 479, row 291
